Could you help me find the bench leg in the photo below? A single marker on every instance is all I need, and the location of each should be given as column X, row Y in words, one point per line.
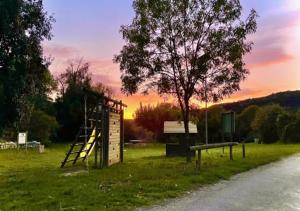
column 198, row 162
column 230, row 152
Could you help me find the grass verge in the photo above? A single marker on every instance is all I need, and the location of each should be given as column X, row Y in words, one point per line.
column 33, row 181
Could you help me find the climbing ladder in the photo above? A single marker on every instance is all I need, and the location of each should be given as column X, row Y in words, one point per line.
column 80, row 149
column 99, row 133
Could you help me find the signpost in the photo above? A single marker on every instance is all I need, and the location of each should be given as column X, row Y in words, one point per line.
column 228, row 125
column 22, row 139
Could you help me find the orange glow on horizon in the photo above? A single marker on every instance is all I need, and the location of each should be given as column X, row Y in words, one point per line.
column 133, row 102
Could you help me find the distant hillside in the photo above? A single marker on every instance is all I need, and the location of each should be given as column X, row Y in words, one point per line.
column 288, row 99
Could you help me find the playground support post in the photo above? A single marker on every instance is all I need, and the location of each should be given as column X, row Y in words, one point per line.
column 122, row 136
column 85, row 127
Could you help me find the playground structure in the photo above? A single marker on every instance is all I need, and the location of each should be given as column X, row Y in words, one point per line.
column 102, row 131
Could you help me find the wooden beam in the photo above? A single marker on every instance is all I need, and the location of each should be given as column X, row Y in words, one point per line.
column 211, row 146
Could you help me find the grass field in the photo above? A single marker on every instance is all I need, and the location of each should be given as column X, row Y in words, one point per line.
column 33, row 181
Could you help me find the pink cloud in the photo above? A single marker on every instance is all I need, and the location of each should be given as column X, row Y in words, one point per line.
column 266, row 57
column 248, row 92
column 282, row 20
column 59, row 51
column 108, row 81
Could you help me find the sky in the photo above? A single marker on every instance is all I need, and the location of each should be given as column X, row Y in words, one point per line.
column 90, row 29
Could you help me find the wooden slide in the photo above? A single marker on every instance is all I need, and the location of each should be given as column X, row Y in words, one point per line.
column 89, row 145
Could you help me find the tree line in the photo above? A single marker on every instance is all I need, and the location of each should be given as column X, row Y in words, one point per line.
column 269, row 124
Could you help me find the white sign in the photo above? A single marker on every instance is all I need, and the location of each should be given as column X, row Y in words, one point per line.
column 22, row 138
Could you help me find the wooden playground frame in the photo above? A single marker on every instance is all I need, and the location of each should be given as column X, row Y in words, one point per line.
column 103, row 132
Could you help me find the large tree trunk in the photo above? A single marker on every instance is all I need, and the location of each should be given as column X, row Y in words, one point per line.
column 186, row 119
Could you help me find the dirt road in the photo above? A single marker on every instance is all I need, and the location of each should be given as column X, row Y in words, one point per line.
column 275, row 186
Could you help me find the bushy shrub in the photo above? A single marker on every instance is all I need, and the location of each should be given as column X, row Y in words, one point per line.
column 264, row 123
column 244, row 121
column 152, row 117
column 214, row 118
column 282, row 123
column 291, row 132
column 42, row 126
column 134, row 132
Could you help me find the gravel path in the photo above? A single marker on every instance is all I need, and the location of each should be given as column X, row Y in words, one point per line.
column 275, row 186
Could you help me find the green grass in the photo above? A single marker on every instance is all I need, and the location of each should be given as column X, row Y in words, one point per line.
column 33, row 181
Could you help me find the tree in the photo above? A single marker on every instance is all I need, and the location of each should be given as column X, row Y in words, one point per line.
column 76, row 76
column 244, row 121
column 42, row 126
column 186, row 48
column 101, row 88
column 152, row 117
column 283, row 120
column 132, row 131
column 75, row 83
column 264, row 123
column 24, row 71
column 214, row 123
column 70, row 105
column 291, row 131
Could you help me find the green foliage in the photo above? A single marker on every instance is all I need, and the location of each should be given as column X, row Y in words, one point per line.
column 24, row 25
column 70, row 105
column 42, row 127
column 244, row 121
column 134, row 132
column 291, row 131
column 264, row 123
column 33, row 181
column 214, row 120
column 183, row 48
column 74, row 83
column 283, row 120
column 152, row 117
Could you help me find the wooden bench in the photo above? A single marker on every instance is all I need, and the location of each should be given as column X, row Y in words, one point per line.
column 212, row 146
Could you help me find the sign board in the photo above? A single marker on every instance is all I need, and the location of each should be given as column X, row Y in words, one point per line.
column 228, row 122
column 178, row 127
column 22, row 138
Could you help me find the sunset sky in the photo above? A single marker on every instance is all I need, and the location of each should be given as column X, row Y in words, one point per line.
column 89, row 29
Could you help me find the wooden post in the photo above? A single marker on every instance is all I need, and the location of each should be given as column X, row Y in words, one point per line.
column 106, row 137
column 198, row 162
column 230, row 152
column 96, row 134
column 121, row 133
column 244, row 150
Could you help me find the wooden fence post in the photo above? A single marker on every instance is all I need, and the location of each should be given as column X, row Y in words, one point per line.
column 198, row 162
column 244, row 150
column 230, row 151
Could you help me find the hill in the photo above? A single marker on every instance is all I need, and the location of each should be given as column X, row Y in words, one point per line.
column 288, row 99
